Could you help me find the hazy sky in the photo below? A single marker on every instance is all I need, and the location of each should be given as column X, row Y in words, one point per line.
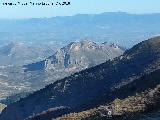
column 78, row 6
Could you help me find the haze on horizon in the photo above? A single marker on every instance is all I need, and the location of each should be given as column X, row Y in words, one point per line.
column 77, row 7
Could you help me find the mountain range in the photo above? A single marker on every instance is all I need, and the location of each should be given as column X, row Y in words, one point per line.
column 135, row 73
column 121, row 28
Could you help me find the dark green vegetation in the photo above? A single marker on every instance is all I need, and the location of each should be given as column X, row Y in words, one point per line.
column 133, row 107
column 134, row 72
column 15, row 97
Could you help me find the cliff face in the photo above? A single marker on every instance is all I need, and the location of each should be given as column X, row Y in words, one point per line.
column 119, row 78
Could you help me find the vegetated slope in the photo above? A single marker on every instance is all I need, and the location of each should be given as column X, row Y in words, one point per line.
column 84, row 89
column 131, row 108
column 14, row 97
column 133, row 101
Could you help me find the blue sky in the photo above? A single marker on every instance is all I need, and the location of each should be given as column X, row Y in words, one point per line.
column 78, row 6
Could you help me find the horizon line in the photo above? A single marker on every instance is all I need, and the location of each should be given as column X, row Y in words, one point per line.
column 129, row 13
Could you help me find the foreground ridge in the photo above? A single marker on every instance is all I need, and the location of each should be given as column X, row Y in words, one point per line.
column 125, row 108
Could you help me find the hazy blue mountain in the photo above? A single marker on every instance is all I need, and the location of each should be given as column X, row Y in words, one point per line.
column 97, row 85
column 18, row 53
column 120, row 28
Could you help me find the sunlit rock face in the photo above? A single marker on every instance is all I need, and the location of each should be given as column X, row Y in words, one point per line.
column 79, row 55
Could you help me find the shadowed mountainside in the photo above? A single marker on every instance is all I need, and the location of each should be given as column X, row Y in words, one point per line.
column 85, row 89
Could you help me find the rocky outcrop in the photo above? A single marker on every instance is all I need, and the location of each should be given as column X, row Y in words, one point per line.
column 2, row 106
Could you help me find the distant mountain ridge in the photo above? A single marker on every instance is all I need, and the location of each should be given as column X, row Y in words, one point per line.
column 84, row 90
column 121, row 28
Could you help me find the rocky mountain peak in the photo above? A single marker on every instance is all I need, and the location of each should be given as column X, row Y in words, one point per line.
column 80, row 55
column 81, row 45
